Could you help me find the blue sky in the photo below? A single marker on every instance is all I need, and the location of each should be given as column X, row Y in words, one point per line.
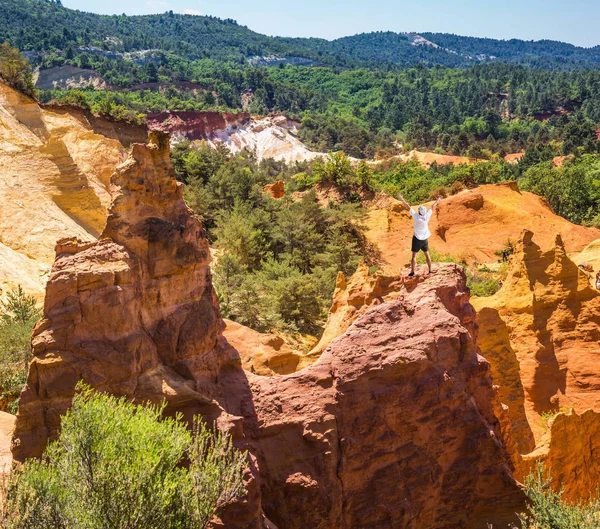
column 575, row 21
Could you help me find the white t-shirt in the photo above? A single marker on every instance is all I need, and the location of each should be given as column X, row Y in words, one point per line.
column 421, row 224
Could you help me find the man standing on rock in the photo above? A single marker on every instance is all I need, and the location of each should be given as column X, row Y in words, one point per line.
column 420, row 240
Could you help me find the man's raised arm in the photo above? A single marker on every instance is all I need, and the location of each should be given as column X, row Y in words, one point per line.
column 436, row 202
column 404, row 202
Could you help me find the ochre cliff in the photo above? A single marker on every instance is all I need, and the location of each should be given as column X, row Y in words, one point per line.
column 53, row 183
column 544, row 322
column 541, row 335
column 569, row 452
column 262, row 353
column 393, row 426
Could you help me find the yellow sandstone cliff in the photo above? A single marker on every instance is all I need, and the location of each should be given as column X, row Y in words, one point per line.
column 54, row 181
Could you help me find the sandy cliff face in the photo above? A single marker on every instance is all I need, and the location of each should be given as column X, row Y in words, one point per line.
column 546, row 317
column 54, row 179
column 541, row 334
column 474, row 224
column 393, row 426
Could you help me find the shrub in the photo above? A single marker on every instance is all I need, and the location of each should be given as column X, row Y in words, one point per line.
column 457, row 187
column 336, row 169
column 482, row 286
column 15, row 70
column 547, row 416
column 437, row 257
column 18, row 315
column 18, row 307
column 438, row 192
column 119, row 466
column 509, row 246
column 547, row 509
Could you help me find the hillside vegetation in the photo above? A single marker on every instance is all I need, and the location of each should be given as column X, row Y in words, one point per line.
column 44, row 25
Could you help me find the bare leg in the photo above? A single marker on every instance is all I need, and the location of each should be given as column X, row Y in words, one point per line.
column 428, row 259
column 413, row 262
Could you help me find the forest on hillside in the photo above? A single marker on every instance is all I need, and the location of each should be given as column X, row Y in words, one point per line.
column 45, row 26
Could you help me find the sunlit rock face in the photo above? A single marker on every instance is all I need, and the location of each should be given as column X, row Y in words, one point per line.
column 392, row 426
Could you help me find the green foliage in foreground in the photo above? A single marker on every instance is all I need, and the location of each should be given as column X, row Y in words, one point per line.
column 121, row 466
column 18, row 315
column 547, row 509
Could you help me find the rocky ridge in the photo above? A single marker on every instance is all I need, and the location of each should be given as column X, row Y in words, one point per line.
column 393, row 426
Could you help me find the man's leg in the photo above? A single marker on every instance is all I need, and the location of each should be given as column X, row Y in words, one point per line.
column 413, row 262
column 428, row 259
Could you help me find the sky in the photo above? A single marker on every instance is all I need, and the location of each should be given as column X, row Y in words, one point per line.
column 575, row 21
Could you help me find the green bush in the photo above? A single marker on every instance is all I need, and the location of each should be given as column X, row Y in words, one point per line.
column 121, row 466
column 18, row 314
column 482, row 285
column 15, row 70
column 547, row 509
column 437, row 257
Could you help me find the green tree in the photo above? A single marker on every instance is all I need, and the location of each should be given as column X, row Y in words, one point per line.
column 244, row 233
column 120, row 466
column 336, row 169
column 18, row 315
column 364, row 175
column 18, row 307
column 15, row 70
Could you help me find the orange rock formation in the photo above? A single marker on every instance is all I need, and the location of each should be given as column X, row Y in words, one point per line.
column 276, row 190
column 393, row 426
column 541, row 334
column 352, row 298
column 568, row 451
column 262, row 353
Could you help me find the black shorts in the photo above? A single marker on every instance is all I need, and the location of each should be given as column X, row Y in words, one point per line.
column 418, row 244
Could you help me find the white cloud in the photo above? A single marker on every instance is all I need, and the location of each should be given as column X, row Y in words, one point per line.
column 192, row 12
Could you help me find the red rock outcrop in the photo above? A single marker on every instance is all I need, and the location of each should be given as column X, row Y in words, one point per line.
column 133, row 313
column 195, row 125
column 393, row 426
column 352, row 298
